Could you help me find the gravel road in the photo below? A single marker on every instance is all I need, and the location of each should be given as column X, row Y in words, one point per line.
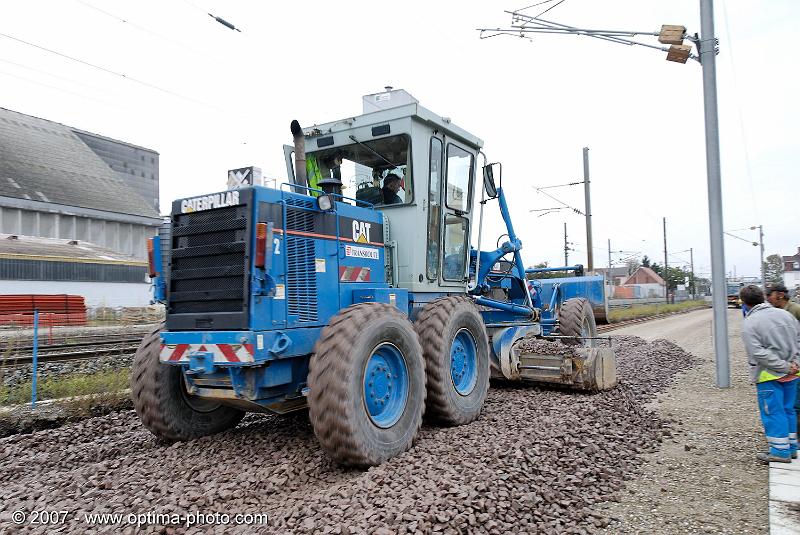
column 704, row 478
column 536, row 461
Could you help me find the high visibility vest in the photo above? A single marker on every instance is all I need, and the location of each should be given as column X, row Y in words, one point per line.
column 765, row 376
column 314, row 174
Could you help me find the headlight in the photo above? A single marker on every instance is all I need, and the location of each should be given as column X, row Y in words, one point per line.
column 324, row 203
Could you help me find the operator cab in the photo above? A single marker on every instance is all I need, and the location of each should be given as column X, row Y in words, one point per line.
column 419, row 170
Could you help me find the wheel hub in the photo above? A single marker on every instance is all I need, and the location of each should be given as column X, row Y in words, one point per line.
column 463, row 362
column 385, row 385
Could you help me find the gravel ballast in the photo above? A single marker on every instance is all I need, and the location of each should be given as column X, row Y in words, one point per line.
column 536, row 460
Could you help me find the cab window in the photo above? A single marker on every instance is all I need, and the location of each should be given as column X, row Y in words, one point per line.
column 377, row 171
column 455, row 248
column 434, row 209
column 459, row 175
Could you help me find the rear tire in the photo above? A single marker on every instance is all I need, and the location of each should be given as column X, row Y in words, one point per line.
column 456, row 349
column 162, row 403
column 367, row 385
column 577, row 319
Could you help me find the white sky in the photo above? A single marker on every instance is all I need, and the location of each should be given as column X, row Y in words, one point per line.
column 535, row 103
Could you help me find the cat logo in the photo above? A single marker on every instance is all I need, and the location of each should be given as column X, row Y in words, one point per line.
column 361, row 232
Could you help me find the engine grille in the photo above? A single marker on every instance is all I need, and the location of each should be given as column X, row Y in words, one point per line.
column 208, row 272
column 301, row 275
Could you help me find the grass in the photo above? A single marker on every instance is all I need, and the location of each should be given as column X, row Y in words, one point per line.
column 103, row 384
column 643, row 311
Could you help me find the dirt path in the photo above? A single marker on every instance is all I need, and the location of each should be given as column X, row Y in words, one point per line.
column 704, row 478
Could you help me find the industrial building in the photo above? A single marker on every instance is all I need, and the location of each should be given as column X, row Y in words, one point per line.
column 31, row 265
column 59, row 182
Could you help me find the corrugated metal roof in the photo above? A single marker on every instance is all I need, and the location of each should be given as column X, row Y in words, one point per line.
column 45, row 161
column 31, row 248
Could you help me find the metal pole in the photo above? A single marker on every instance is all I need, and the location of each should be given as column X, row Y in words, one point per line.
column 35, row 357
column 608, row 277
column 763, row 267
column 691, row 268
column 589, row 250
column 708, row 60
column 566, row 247
column 666, row 279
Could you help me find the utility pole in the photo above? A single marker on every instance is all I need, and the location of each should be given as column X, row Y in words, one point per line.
column 589, row 250
column 609, row 258
column 761, row 245
column 566, row 246
column 691, row 269
column 708, row 51
column 666, row 281
column 677, row 52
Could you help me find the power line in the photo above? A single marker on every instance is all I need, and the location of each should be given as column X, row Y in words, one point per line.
column 114, row 73
column 151, row 32
column 87, row 97
column 549, row 8
column 739, row 112
column 538, row 190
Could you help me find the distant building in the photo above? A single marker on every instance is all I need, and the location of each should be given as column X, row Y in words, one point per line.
column 30, row 265
column 62, row 183
column 643, row 283
column 617, row 274
column 791, row 270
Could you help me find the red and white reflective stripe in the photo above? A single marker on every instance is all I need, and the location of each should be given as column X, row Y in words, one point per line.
column 354, row 274
column 221, row 352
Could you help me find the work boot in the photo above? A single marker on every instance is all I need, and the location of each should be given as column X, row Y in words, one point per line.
column 769, row 458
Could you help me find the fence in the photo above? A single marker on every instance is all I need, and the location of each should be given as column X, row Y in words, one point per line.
column 58, row 335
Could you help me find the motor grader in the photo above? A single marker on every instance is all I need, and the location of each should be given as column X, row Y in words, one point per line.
column 355, row 295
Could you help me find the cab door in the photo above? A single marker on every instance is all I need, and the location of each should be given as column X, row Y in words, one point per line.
column 459, row 166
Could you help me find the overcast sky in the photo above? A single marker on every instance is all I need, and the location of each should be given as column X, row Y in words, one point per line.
column 209, row 99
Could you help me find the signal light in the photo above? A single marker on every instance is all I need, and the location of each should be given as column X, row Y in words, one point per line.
column 261, row 244
column 151, row 261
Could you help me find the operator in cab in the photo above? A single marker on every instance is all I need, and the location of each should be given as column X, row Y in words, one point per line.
column 391, row 185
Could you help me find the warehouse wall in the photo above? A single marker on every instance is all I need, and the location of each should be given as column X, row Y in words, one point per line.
column 96, row 294
column 125, row 238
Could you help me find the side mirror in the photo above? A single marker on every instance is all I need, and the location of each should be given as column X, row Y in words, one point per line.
column 488, row 179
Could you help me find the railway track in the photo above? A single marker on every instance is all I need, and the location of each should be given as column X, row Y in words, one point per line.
column 83, row 350
column 71, row 352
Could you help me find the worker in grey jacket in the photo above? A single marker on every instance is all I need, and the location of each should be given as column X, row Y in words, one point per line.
column 772, row 339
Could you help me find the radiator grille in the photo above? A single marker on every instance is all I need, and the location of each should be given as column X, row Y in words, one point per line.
column 209, row 252
column 301, row 279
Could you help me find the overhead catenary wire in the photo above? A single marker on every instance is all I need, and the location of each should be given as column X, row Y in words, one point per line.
column 115, row 73
column 199, row 53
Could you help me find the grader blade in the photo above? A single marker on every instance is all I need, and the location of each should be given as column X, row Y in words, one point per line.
column 582, row 368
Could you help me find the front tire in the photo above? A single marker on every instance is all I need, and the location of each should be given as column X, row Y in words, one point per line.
column 162, row 403
column 456, row 349
column 576, row 318
column 367, row 385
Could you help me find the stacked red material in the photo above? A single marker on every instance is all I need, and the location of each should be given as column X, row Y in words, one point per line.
column 53, row 309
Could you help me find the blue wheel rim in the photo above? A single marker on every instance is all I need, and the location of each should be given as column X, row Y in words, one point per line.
column 464, row 362
column 385, row 385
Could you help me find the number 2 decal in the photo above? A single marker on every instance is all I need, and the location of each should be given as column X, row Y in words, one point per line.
column 277, row 249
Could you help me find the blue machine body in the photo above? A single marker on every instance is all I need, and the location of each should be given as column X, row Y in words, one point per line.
column 256, row 352
column 244, row 333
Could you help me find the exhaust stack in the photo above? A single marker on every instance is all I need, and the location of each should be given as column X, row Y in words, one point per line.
column 301, row 178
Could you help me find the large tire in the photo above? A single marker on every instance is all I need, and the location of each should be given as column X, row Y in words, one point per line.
column 358, row 417
column 162, row 403
column 456, row 349
column 577, row 319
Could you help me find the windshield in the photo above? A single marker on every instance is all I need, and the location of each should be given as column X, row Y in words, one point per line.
column 376, row 171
